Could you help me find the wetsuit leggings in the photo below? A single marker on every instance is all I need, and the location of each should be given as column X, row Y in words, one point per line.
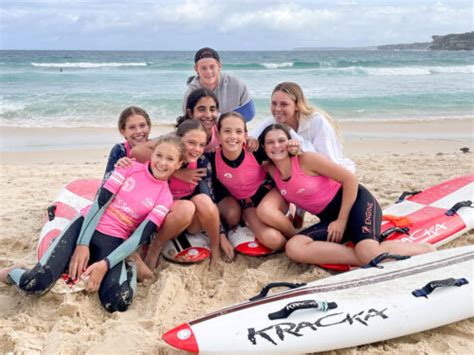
column 116, row 289
column 364, row 222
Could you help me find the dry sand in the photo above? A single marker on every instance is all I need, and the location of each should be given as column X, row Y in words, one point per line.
column 77, row 324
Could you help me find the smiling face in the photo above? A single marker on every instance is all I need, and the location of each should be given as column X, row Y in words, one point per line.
column 208, row 70
column 232, row 135
column 284, row 109
column 194, row 142
column 165, row 160
column 136, row 130
column 276, row 144
column 206, row 112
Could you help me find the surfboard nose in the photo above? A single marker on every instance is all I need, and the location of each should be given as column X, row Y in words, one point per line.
column 182, row 337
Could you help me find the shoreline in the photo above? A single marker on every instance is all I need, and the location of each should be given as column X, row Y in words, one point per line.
column 58, row 145
column 456, row 131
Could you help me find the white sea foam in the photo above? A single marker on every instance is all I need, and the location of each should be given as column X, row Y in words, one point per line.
column 278, row 65
column 88, row 65
column 415, row 71
column 8, row 107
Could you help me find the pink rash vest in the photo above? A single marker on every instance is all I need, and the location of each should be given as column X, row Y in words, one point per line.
column 214, row 142
column 180, row 188
column 138, row 196
column 312, row 193
column 243, row 181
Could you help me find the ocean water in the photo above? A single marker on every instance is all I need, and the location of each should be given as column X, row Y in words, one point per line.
column 90, row 88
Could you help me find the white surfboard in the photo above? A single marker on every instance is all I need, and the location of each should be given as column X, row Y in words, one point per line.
column 350, row 309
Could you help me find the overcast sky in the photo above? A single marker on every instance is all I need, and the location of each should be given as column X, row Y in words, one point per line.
column 226, row 24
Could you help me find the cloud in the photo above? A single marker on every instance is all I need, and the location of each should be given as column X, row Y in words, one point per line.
column 189, row 12
column 290, row 17
column 230, row 24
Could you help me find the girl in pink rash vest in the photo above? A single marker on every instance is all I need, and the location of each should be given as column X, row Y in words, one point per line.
column 199, row 196
column 128, row 209
column 240, row 181
column 347, row 211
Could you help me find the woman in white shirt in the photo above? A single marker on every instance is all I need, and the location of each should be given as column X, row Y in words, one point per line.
column 314, row 128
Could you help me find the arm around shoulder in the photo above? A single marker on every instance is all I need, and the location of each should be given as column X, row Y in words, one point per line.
column 142, row 152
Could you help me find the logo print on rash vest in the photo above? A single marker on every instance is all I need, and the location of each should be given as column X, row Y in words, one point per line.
column 300, row 191
column 129, row 184
column 228, row 175
column 283, row 192
column 148, row 202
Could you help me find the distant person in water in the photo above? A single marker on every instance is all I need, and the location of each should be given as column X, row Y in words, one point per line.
column 232, row 94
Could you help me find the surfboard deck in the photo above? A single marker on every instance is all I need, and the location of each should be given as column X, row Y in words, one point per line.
column 424, row 215
column 71, row 199
column 354, row 308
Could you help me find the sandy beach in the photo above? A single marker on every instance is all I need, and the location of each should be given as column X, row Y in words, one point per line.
column 413, row 156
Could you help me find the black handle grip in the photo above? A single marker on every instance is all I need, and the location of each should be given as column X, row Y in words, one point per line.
column 271, row 285
column 431, row 286
column 378, row 259
column 457, row 207
column 390, row 231
column 51, row 212
column 294, row 306
column 405, row 194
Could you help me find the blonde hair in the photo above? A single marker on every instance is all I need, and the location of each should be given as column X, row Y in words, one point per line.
column 305, row 110
column 171, row 139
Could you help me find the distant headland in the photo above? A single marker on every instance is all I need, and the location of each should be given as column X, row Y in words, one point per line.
column 450, row 42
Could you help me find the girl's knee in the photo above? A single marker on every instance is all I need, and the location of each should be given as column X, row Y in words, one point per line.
column 273, row 240
column 204, row 204
column 294, row 248
column 232, row 216
column 36, row 281
column 117, row 299
column 183, row 211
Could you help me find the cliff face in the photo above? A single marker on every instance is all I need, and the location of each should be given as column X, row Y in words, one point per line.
column 406, row 46
column 453, row 42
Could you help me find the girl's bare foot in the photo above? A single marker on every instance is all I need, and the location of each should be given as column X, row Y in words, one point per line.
column 143, row 272
column 4, row 272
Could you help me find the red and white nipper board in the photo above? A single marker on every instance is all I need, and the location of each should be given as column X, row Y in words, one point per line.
column 187, row 248
column 193, row 248
column 71, row 199
column 244, row 241
column 425, row 215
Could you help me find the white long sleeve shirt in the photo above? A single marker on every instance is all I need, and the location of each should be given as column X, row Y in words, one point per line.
column 315, row 133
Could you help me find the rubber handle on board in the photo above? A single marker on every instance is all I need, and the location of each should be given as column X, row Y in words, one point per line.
column 51, row 212
column 378, row 259
column 405, row 194
column 431, row 286
column 390, row 231
column 271, row 285
column 457, row 207
column 294, row 306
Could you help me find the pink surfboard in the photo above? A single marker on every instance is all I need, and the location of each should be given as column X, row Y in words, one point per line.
column 424, row 218
column 71, row 199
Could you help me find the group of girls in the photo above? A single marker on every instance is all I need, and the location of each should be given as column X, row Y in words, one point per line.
column 212, row 175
